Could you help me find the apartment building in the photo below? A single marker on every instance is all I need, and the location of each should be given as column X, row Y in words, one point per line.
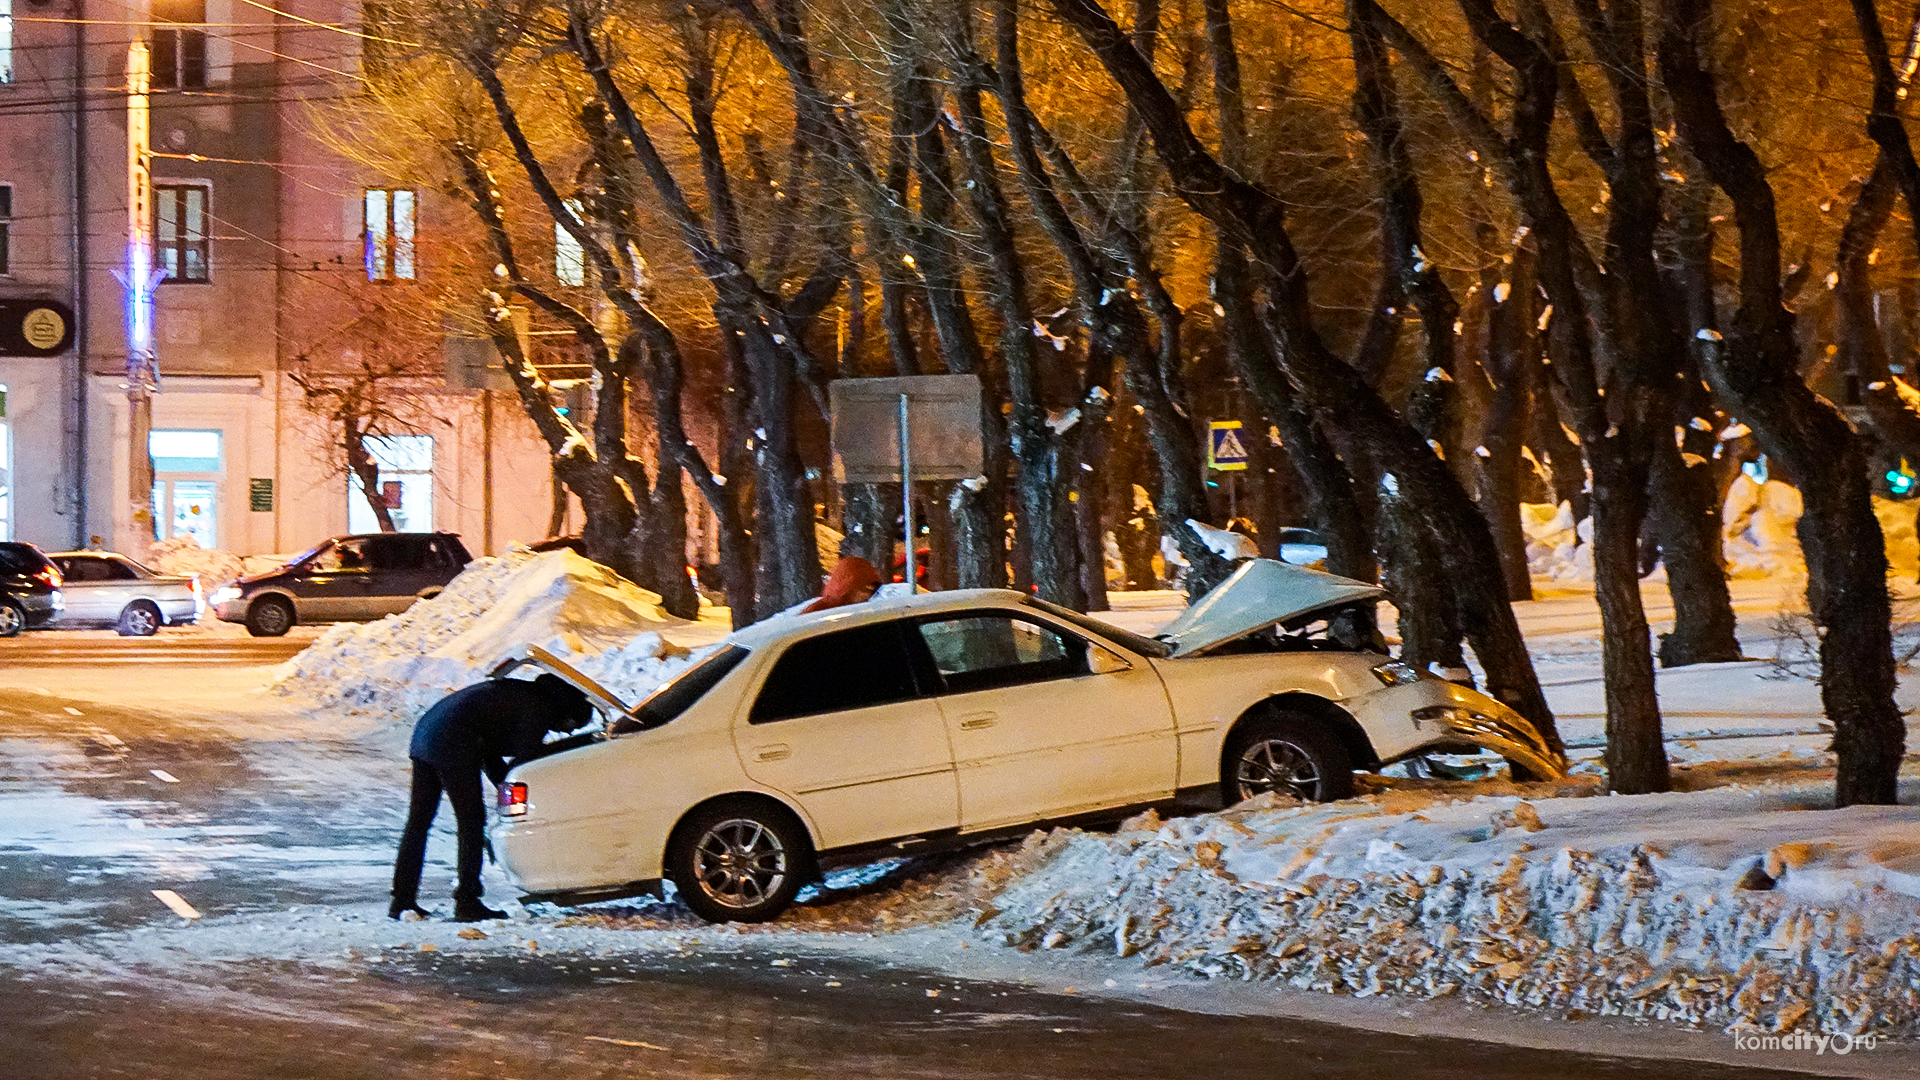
column 284, row 270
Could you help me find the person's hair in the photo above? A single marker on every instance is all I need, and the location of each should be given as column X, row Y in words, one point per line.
column 572, row 701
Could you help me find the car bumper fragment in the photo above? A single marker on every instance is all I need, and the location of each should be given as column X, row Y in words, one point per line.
column 1492, row 726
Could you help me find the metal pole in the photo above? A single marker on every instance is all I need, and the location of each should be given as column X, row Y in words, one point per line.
column 140, row 280
column 906, row 493
column 82, row 315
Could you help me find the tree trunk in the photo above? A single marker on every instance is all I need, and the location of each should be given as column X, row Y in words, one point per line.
column 1754, row 370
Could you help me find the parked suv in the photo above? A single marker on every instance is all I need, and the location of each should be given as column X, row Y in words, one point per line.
column 29, row 588
column 345, row 579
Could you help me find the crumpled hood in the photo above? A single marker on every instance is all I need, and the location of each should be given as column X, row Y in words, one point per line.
column 1259, row 594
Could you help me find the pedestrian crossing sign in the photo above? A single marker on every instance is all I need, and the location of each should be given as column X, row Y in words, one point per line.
column 1225, row 450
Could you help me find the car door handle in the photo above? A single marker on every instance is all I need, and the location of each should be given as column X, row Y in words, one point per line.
column 978, row 720
column 775, row 752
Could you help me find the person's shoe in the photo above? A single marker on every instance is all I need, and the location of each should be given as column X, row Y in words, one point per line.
column 409, row 912
column 474, row 911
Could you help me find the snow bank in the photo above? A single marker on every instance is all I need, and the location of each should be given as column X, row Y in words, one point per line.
column 576, row 609
column 1759, row 521
column 1557, row 548
column 1644, row 906
column 182, row 556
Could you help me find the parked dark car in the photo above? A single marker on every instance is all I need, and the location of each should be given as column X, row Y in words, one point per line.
column 29, row 588
column 105, row 588
column 345, row 579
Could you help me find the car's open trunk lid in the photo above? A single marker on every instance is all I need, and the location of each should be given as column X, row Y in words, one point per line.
column 1260, row 594
column 535, row 656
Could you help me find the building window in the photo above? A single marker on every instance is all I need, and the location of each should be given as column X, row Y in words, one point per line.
column 6, row 222
column 186, row 485
column 406, row 485
column 6, row 465
column 390, row 231
column 569, row 258
column 180, row 230
column 179, row 55
column 6, row 41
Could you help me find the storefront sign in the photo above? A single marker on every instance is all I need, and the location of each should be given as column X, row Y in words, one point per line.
column 35, row 328
column 260, row 494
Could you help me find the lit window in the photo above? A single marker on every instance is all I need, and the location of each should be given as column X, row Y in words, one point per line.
column 390, row 214
column 179, row 54
column 6, row 41
column 569, row 258
column 180, row 230
column 6, row 206
column 406, row 485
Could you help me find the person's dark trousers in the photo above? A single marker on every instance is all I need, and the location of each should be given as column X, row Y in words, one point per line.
column 470, row 818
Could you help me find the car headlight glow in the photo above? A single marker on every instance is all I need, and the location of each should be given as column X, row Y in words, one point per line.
column 1395, row 673
column 224, row 594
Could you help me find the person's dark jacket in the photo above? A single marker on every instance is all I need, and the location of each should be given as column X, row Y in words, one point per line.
column 492, row 726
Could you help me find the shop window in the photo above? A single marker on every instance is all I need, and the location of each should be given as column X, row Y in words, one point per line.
column 186, row 485
column 180, row 231
column 390, row 223
column 406, row 485
column 179, row 52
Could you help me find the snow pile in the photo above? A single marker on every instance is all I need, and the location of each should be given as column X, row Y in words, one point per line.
column 1759, row 521
column 576, row 609
column 1225, row 543
column 1738, row 908
column 1558, row 548
column 182, row 556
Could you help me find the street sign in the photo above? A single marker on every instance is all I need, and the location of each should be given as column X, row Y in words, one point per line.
column 918, row 427
column 943, row 421
column 1226, row 448
column 35, row 328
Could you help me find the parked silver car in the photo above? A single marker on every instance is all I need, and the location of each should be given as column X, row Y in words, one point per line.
column 105, row 588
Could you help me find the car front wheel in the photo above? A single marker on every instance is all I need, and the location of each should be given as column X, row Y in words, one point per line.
column 13, row 618
column 139, row 620
column 1288, row 754
column 739, row 861
column 270, row 616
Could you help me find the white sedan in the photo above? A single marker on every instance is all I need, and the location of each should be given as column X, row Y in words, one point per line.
column 898, row 726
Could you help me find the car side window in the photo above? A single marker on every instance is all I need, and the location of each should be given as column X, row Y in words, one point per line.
column 855, row 668
column 345, row 555
column 980, row 652
column 115, row 570
column 439, row 554
column 399, row 552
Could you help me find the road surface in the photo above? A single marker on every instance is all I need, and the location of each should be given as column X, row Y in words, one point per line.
column 101, row 806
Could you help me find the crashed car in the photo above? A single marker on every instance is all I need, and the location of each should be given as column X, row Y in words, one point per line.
column 902, row 725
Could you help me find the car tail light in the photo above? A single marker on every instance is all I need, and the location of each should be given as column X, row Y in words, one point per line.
column 513, row 799
column 49, row 576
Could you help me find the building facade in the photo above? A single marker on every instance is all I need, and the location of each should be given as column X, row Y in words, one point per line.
column 290, row 276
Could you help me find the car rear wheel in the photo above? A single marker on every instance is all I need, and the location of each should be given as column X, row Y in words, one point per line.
column 139, row 619
column 1288, row 754
column 270, row 616
column 739, row 861
column 13, row 617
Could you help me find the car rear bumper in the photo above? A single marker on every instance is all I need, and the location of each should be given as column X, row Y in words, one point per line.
column 42, row 608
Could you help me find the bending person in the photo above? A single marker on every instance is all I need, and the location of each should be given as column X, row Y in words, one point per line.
column 488, row 727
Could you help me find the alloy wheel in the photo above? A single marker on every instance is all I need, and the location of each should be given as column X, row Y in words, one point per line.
column 12, row 620
column 739, row 863
column 1277, row 766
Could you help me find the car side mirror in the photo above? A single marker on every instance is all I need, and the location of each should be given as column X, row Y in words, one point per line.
column 1102, row 661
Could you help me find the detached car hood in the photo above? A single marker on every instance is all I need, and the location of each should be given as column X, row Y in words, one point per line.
column 1259, row 594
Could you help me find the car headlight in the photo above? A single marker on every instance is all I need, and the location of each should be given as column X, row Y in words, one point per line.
column 1395, row 673
column 224, row 594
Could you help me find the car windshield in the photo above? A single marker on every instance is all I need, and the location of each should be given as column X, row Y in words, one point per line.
column 676, row 697
column 1139, row 643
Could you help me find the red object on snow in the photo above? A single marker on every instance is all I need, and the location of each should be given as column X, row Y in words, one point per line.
column 853, row 580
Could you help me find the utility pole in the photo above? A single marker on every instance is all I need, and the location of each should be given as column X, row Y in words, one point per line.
column 140, row 277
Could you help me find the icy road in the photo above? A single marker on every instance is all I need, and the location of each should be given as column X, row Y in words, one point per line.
column 276, row 829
